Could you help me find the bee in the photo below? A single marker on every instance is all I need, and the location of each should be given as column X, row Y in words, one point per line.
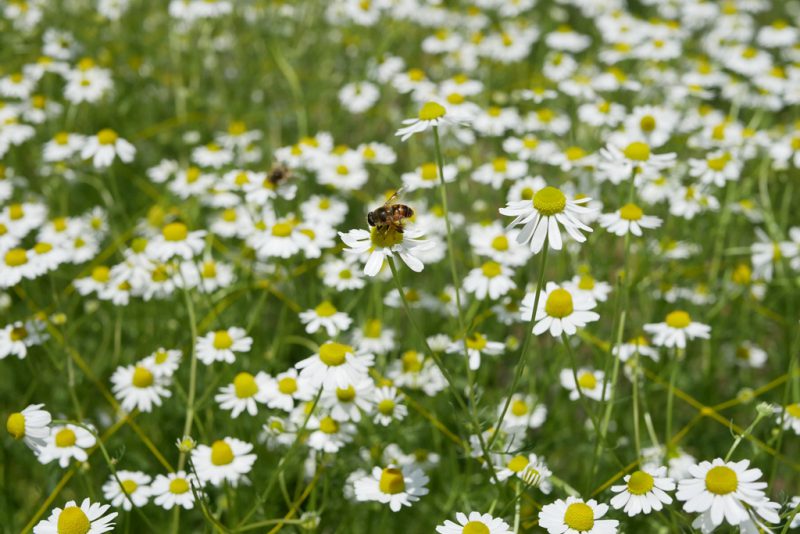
column 279, row 173
column 390, row 215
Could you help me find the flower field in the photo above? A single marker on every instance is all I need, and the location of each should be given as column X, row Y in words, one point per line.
column 400, row 266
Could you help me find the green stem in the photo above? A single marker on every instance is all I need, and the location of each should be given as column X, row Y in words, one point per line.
column 187, row 425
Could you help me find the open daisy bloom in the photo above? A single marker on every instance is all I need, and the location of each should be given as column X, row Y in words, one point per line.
column 392, row 485
column 475, row 523
column 378, row 244
column 644, row 491
column 226, row 460
column 676, row 329
column 335, row 365
column 560, row 310
column 574, row 515
column 431, row 114
column 726, row 491
column 31, row 425
column 542, row 216
column 88, row 518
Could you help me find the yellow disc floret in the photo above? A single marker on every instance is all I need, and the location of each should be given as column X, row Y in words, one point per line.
column 549, row 201
column 392, row 481
column 721, row 480
column 559, row 303
column 579, row 516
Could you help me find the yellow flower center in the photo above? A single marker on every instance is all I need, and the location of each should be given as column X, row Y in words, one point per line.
column 192, row 175
column 328, row 425
column 161, row 356
column 129, row 486
column 373, row 329
column 519, row 408
column 475, row 527
column 431, row 111
column 15, row 424
column 222, row 340
column 244, row 384
column 61, row 138
column 630, row 212
column 491, row 269
column 500, row 164
column 500, row 243
column 237, row 128
column 428, row 171
column 178, row 486
column 221, row 453
column 345, row 274
column 792, row 409
column 142, row 377
column 386, row 407
column 416, row 75
column 101, row 274
column 73, row 520
column 18, row 333
column 282, row 230
column 579, row 516
column 392, row 481
column 176, row 231
column 638, row 151
column 587, row 380
column 326, row 309
column 287, row 385
column 559, row 303
column 678, row 319
column 721, row 480
column 65, row 438
column 16, row 257
column 209, row 269
column 16, row 212
column 640, row 483
column 647, row 123
column 717, row 164
column 385, row 238
column 333, row 354
column 42, row 248
column 107, row 137
column 346, row 395
column 549, row 201
column 476, row 341
column 455, row 98
column 518, row 463
column 586, row 282
column 412, row 363
column 574, row 153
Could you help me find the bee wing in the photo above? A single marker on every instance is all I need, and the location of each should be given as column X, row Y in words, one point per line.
column 395, row 195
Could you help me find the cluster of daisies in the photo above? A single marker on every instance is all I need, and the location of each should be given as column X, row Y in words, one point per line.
column 639, row 153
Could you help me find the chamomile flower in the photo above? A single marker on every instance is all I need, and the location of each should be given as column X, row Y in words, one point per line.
column 414, row 371
column 105, row 146
column 342, row 274
column 725, row 491
column 16, row 265
column 589, row 383
column 135, row 487
column 476, row 345
column 540, row 218
column 174, row 489
column 474, row 523
column 373, row 337
column 328, row 434
column 560, row 310
column 431, row 115
column 379, row 244
column 32, row 425
column 15, row 338
column 498, row 171
column 628, row 219
column 529, row 468
column 395, row 486
column 243, row 393
column 426, row 176
column 789, row 416
column 66, row 442
column 176, row 240
column 137, row 387
column 388, row 406
column 326, row 316
column 716, row 168
column 335, row 365
column 644, row 491
column 226, row 460
column 285, row 390
column 86, row 518
column 749, row 355
column 676, row 329
column 346, row 404
column 222, row 345
column 490, row 279
column 576, row 516
column 638, row 345
column 523, row 412
column 587, row 286
column 620, row 163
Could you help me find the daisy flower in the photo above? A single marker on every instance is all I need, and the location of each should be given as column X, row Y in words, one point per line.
column 174, row 489
column 523, row 412
column 586, row 285
column 134, row 488
column 475, row 523
column 328, row 434
column 325, row 316
column 388, row 407
column 137, row 387
column 335, row 365
column 285, row 390
column 426, row 176
column 574, row 515
column 638, row 344
column 431, row 114
column 243, row 393
column 373, row 337
column 176, row 240
column 32, row 425
column 725, row 491
column 105, row 146
column 529, row 468
column 226, row 460
column 395, row 486
column 716, row 168
column 379, row 245
column 620, row 164
column 490, row 279
column 644, row 491
column 628, row 219
column 17, row 264
column 676, row 329
column 542, row 216
column 789, row 415
column 66, row 442
column 163, row 362
column 88, row 518
column 590, row 384
column 560, row 310
column 15, row 340
column 476, row 344
column 221, row 346
column 346, row 404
